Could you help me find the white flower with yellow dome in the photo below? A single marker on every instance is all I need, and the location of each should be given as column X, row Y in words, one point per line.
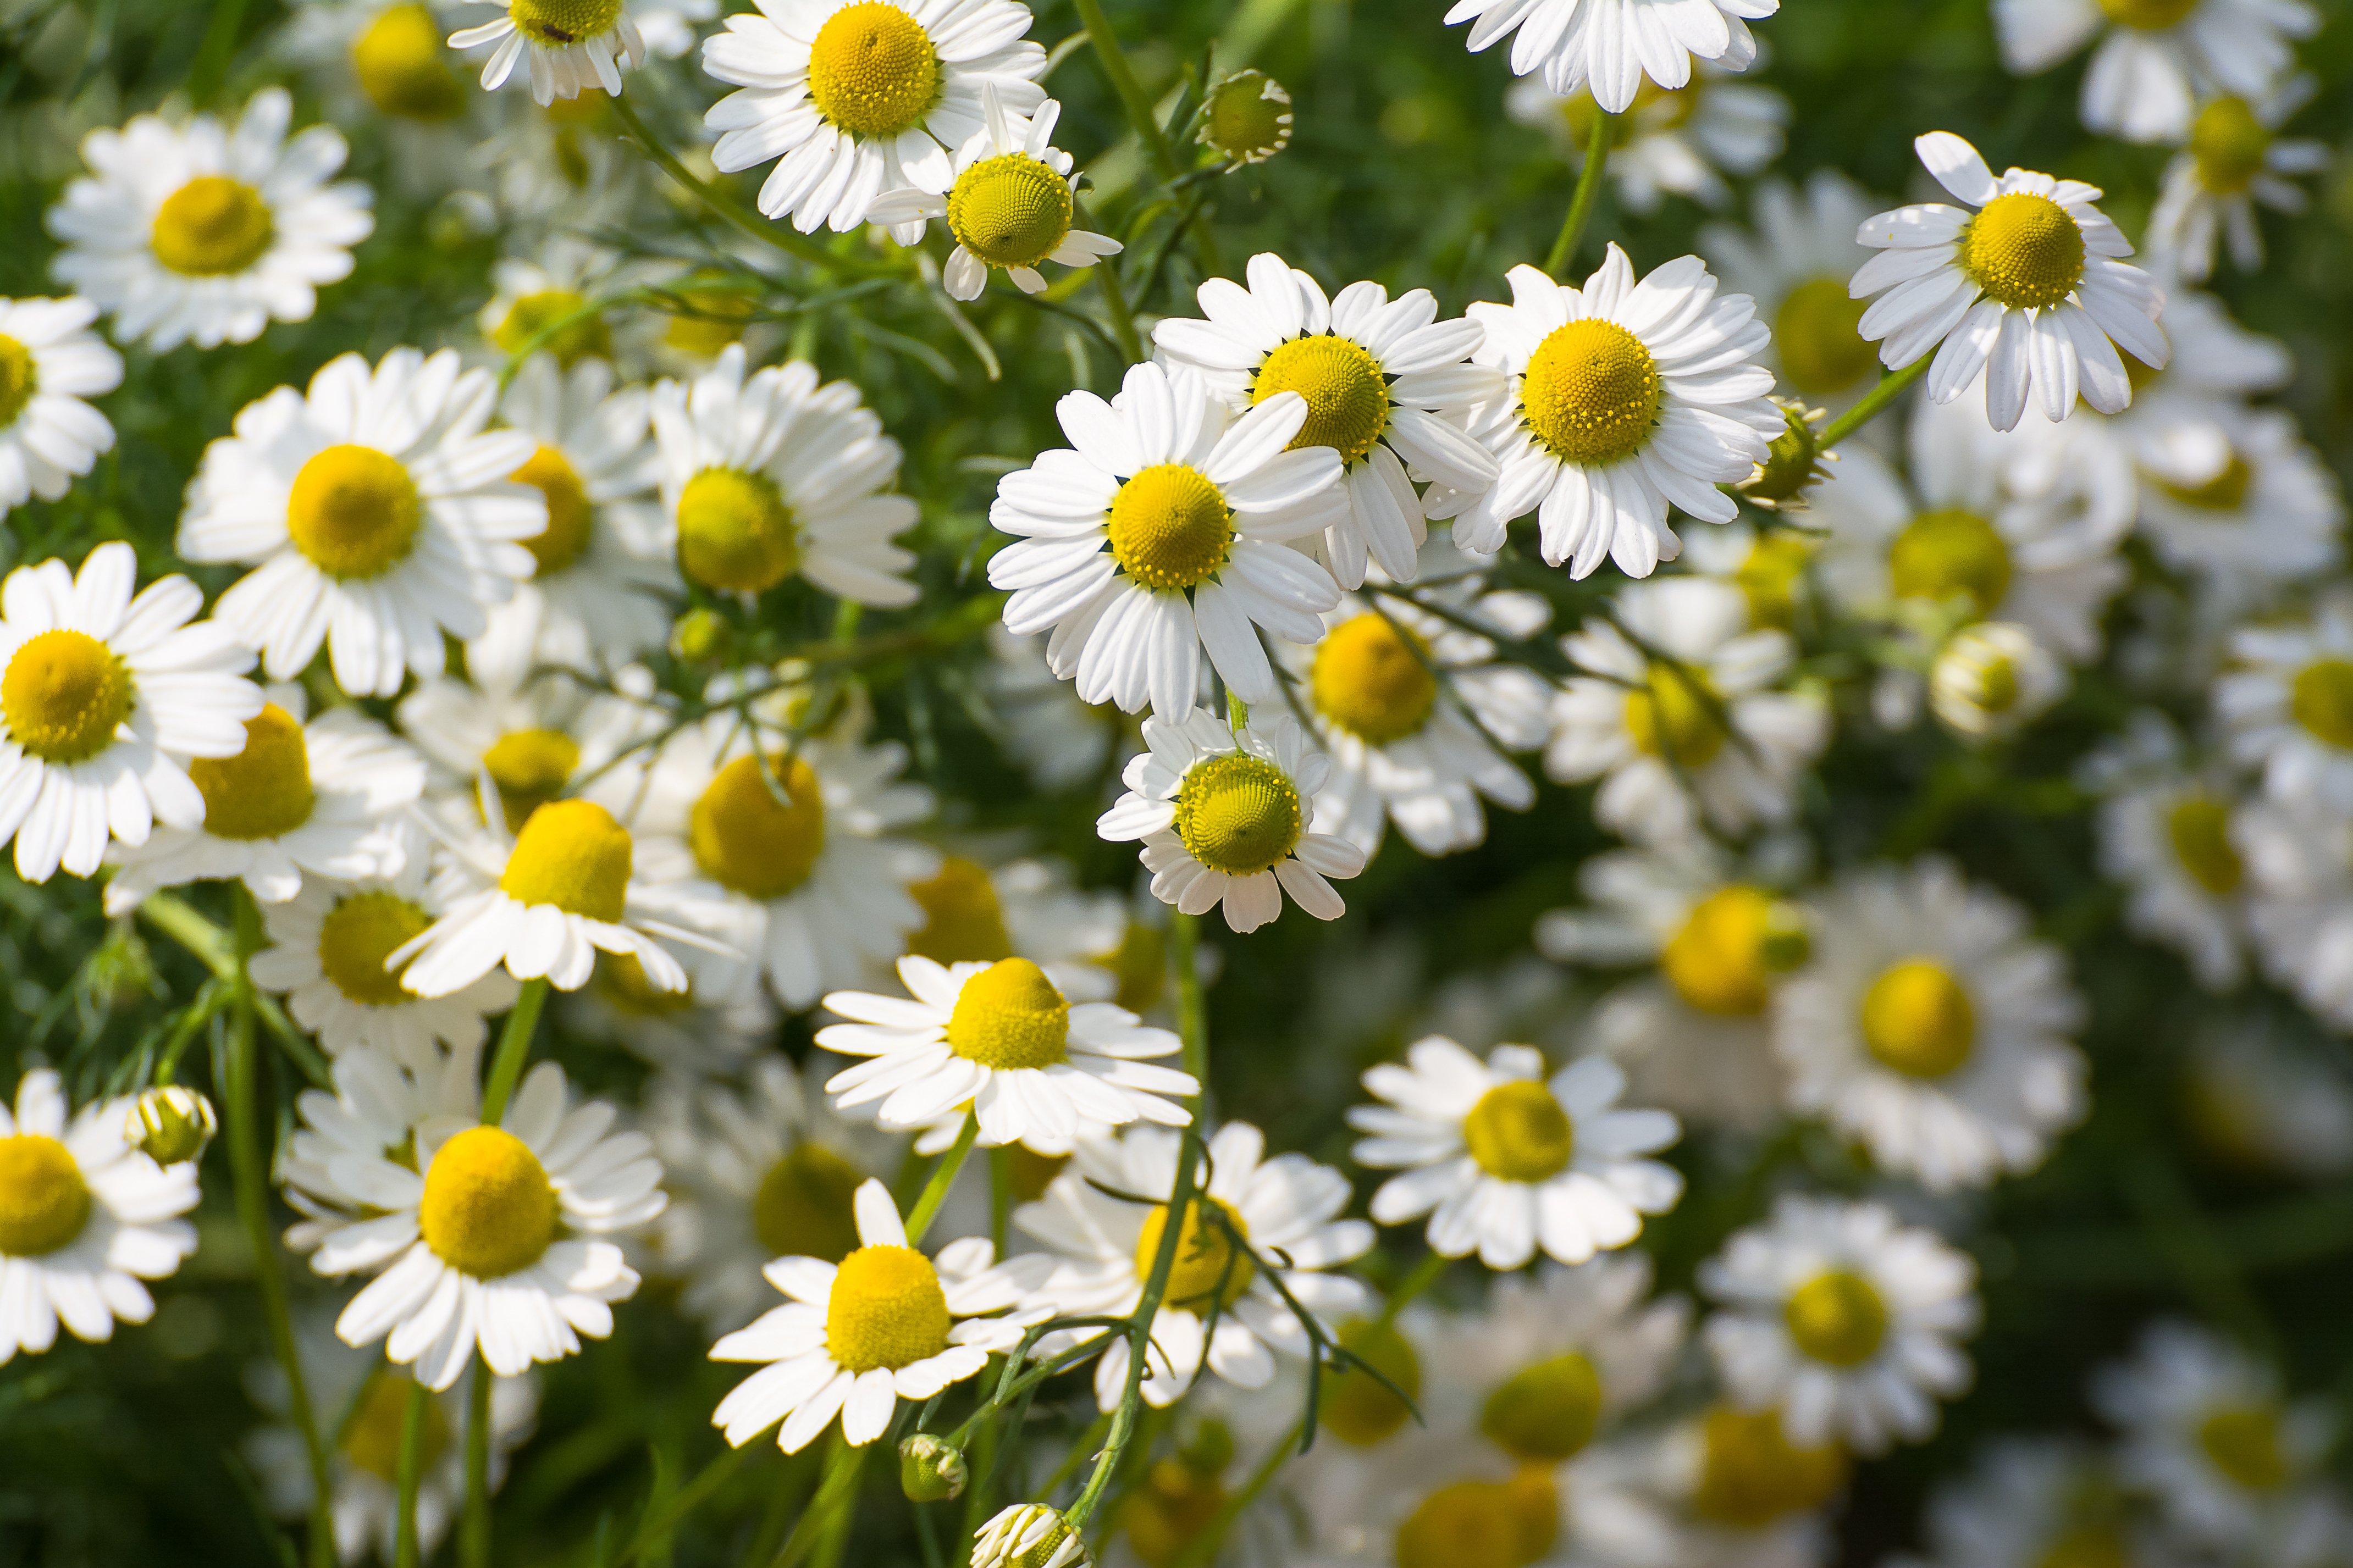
column 1593, row 43
column 2155, row 59
column 84, row 1217
column 1028, row 908
column 1844, row 1319
column 207, row 233
column 2286, row 702
column 1722, row 1485
column 106, row 700
column 1388, row 384
column 571, row 46
column 2298, row 858
column 1932, row 1029
column 378, row 1104
column 1796, row 266
column 533, row 741
column 2238, row 503
column 2167, row 835
column 2236, row 160
column 50, row 362
column 1680, row 142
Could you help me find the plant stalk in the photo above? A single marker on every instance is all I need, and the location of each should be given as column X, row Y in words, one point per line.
column 1874, row 401
column 1589, row 192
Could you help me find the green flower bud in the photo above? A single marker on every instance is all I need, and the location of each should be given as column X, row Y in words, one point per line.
column 1247, row 118
column 700, row 637
column 171, row 1124
column 931, row 1470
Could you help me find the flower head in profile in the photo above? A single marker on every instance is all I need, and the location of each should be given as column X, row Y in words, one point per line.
column 49, row 363
column 1609, row 46
column 571, row 45
column 1031, row 1535
column 2236, row 160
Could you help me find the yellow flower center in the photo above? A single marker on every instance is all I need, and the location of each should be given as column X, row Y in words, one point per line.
column 886, row 1310
column 1205, row 1258
column 963, row 921
column 1918, row 1020
column 2149, row 15
column 1751, row 1475
column 2097, row 1546
column 2226, row 491
column 401, row 67
column 621, row 980
column 2023, row 250
column 1518, row 1132
column 1733, row 940
column 1837, row 1318
column 1010, row 1016
column 552, row 24
column 488, row 1208
column 759, row 830
column 212, row 226
column 264, row 791
column 806, row 1206
column 1010, row 210
column 2244, row 1442
column 64, row 695
column 713, row 318
column 1678, row 716
column 2321, row 700
column 2230, row 146
column 1767, row 577
column 1170, row 527
column 1544, row 1413
column 1347, row 394
column 735, row 532
column 1247, row 117
column 2200, row 830
column 44, row 1203
column 1591, row 393
column 1821, row 352
column 1942, row 555
column 569, row 511
column 20, row 377
column 579, row 337
column 872, row 69
column 1169, row 1511
column 529, row 768
column 353, row 511
column 1482, row 1524
column 358, row 934
column 1372, row 678
column 370, row 1435
column 1238, row 813
column 1354, row 1406
column 572, row 854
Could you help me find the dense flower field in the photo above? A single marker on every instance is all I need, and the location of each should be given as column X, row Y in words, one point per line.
column 1299, row 784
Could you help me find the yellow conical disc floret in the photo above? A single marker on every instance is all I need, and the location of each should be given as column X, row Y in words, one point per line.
column 529, row 768
column 1348, row 395
column 735, row 532
column 964, row 921
column 64, row 694
column 1723, row 957
column 1545, row 1413
column 872, row 69
column 2244, row 1442
column 2024, row 250
column 265, row 790
column 1944, row 555
column 1482, row 1524
column 1247, row 118
column 1010, row 210
column 555, row 23
column 1815, row 333
column 1170, row 527
column 1837, row 1318
column 1170, row 1511
column 806, row 1206
column 1918, row 1019
column 353, row 511
column 2226, row 492
column 759, row 830
column 569, row 513
column 1373, row 678
column 359, row 933
column 622, row 982
column 2200, row 830
column 1238, row 813
column 2321, row 698
column 1205, row 1258
column 2149, row 15
column 1591, row 393
column 401, row 67
column 20, row 377
column 1010, row 1017
column 44, row 1202
column 886, row 1310
column 488, row 1208
column 1677, row 715
column 2230, row 144
column 1518, row 1132
column 2095, row 1546
column 574, row 856
column 1355, row 1408
column 212, row 226
column 1751, row 1475
column 557, row 319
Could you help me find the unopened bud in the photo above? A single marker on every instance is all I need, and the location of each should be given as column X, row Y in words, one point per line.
column 931, row 1470
column 1791, row 467
column 700, row 637
column 171, row 1124
column 1031, row 1535
column 1246, row 118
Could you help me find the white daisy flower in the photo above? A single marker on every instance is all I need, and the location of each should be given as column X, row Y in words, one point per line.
column 2208, row 1434
column 392, row 52
column 495, row 1234
column 107, row 699
column 2240, row 497
column 380, row 1106
column 604, row 579
column 1680, row 142
column 546, row 297
column 1683, row 714
column 1010, row 204
column 2287, row 703
column 2032, row 1499
column 1503, row 1160
column 862, row 1334
column 50, row 362
column 84, row 1217
column 2166, row 835
column 377, row 512
column 1058, row 740
column 1031, row 1535
column 1724, row 1486
column 684, row 1038
column 976, row 914
column 1002, row 1038
column 1846, row 1320
column 1992, row 679
column 2155, row 58
column 2236, row 160
column 1626, row 398
column 1796, row 266
column 1611, row 44
column 755, row 1173
column 573, row 46
column 1930, row 1027
column 327, row 798
column 533, row 739
column 1223, row 813
column 1219, row 1307
column 1166, row 528
column 2025, row 293
column 207, row 233
column 771, row 475
column 2258, row 1101
column 2299, row 899
column 856, row 97
column 1387, row 387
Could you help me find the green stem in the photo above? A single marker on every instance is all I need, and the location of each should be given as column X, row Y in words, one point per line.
column 1122, row 320
column 1001, row 1194
column 1192, row 1012
column 1131, row 90
column 943, row 1175
column 1588, row 190
column 822, row 1531
column 1202, row 1549
column 1425, row 1274
column 413, row 1424
column 474, row 1539
column 514, row 1049
column 1890, row 386
column 210, row 68
column 658, row 1523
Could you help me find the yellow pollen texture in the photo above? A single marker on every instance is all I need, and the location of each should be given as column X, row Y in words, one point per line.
column 353, row 511
column 1372, row 678
column 488, row 1208
column 735, row 532
column 44, row 1203
column 806, row 1206
column 1238, row 813
column 20, row 377
column 63, row 695
column 1010, row 1017
column 886, row 1310
column 1717, row 961
column 963, row 921
column 1348, row 395
column 1010, row 210
column 1481, row 1524
column 757, row 829
column 212, row 226
column 529, row 768
column 1752, row 1475
column 552, row 24
column 872, row 69
column 2023, row 250
column 1170, row 527
column 1205, row 1256
column 574, row 856
column 1518, row 1132
column 566, row 537
column 265, row 790
column 1591, row 393
column 1917, row 1019
column 358, row 934
column 402, row 69
column 1249, row 118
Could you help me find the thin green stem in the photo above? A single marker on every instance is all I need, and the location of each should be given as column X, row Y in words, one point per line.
column 1589, row 192
column 206, row 75
column 411, row 1473
column 1890, row 386
column 1001, row 1194
column 1192, row 1012
column 474, row 1538
column 943, row 1175
column 1131, row 91
column 1122, row 320
column 1202, row 1549
column 659, row 1522
column 514, row 1049
column 1425, row 1274
column 817, row 1533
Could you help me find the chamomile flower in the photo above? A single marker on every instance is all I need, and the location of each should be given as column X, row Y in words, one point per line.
column 599, row 593
column 1387, row 387
column 2166, row 835
column 84, row 1217
column 1680, row 142
column 107, row 700
column 571, row 45
column 857, row 98
column 2287, row 703
column 2024, row 293
column 327, row 798
column 1683, row 714
column 1582, row 43
column 2238, row 502
column 1223, row 813
column 1627, row 398
column 2235, row 162
column 2034, row 1499
column 50, row 362
column 1504, row 1160
column 2266, row 1100
column 979, row 914
column 1724, row 1486
column 2299, row 898
column 1218, row 1307
column 771, row 475
column 544, row 298
column 378, row 1105
column 1166, row 528
column 1796, row 266
column 2155, row 58
column 878, row 1326
column 1844, row 1319
column 1031, row 1535
column 527, row 738
column 1992, row 679
column 391, row 50
column 1010, row 204
column 376, row 512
